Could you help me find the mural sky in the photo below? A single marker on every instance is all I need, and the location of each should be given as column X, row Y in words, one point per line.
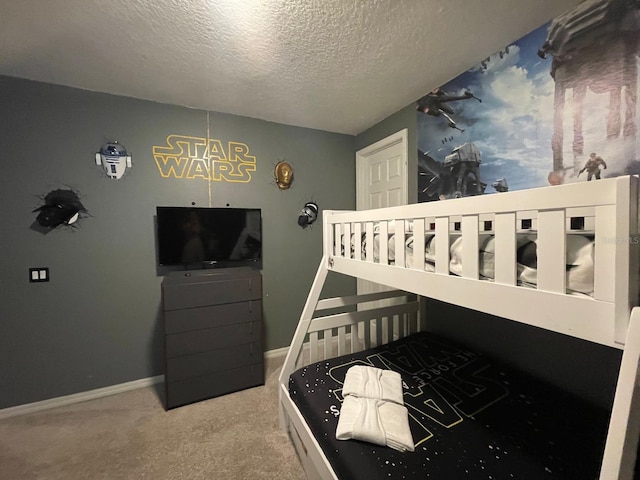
column 512, row 120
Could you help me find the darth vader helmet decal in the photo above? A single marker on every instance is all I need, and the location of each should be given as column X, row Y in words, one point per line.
column 60, row 207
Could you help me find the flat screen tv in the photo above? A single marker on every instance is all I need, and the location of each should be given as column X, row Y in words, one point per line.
column 197, row 237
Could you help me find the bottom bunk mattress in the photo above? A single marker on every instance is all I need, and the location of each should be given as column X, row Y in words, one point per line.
column 470, row 417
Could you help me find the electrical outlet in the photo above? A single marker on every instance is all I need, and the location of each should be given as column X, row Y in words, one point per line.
column 39, row 274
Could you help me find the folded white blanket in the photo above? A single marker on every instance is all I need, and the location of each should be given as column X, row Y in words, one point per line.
column 371, row 382
column 375, row 421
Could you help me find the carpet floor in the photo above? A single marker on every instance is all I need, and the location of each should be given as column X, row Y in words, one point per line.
column 131, row 436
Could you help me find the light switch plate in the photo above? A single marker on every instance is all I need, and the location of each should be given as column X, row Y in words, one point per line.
column 39, row 274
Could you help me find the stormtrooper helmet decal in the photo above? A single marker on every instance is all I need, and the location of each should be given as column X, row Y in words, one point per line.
column 114, row 159
column 308, row 214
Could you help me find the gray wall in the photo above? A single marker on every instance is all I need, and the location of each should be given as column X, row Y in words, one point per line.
column 97, row 322
column 583, row 368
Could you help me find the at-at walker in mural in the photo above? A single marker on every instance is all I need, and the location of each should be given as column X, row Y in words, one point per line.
column 594, row 47
column 457, row 176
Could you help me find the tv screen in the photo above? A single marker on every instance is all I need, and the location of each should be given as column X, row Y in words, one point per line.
column 197, row 237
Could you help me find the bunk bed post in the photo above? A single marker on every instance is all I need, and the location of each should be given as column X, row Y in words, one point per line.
column 295, row 348
column 624, row 427
column 627, row 254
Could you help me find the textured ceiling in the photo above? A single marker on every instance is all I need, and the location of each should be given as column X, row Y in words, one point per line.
column 335, row 65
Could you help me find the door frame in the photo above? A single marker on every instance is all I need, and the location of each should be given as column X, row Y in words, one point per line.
column 361, row 164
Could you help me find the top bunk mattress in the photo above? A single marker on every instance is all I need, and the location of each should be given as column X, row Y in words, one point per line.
column 470, row 417
column 579, row 255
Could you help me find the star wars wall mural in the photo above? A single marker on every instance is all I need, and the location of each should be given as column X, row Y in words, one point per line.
column 557, row 106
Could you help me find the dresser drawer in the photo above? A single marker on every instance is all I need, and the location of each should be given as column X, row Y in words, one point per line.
column 211, row 291
column 187, row 343
column 213, row 385
column 204, row 363
column 201, row 318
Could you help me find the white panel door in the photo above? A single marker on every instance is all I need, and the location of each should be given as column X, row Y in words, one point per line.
column 381, row 173
column 381, row 170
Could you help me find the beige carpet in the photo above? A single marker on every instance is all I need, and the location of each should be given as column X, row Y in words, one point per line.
column 130, row 436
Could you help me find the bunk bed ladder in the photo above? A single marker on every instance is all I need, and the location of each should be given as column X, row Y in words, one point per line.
column 624, row 427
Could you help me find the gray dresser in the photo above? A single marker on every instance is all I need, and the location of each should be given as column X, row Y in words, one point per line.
column 213, row 333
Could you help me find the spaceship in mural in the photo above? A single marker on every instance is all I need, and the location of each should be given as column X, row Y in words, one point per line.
column 435, row 103
column 501, row 54
column 594, row 48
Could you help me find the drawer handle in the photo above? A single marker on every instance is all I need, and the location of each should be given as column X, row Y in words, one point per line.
column 251, row 349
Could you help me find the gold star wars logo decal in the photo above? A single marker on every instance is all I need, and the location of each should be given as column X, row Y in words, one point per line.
column 197, row 158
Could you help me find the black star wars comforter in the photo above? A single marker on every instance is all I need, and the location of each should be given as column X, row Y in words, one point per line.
column 470, row 417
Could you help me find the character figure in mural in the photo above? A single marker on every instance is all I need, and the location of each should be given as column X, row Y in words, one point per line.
column 458, row 176
column 435, row 104
column 60, row 208
column 594, row 48
column 592, row 166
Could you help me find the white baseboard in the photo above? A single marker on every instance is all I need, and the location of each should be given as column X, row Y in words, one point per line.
column 79, row 397
column 278, row 352
column 98, row 393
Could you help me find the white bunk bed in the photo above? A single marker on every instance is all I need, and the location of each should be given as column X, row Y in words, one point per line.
column 605, row 211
